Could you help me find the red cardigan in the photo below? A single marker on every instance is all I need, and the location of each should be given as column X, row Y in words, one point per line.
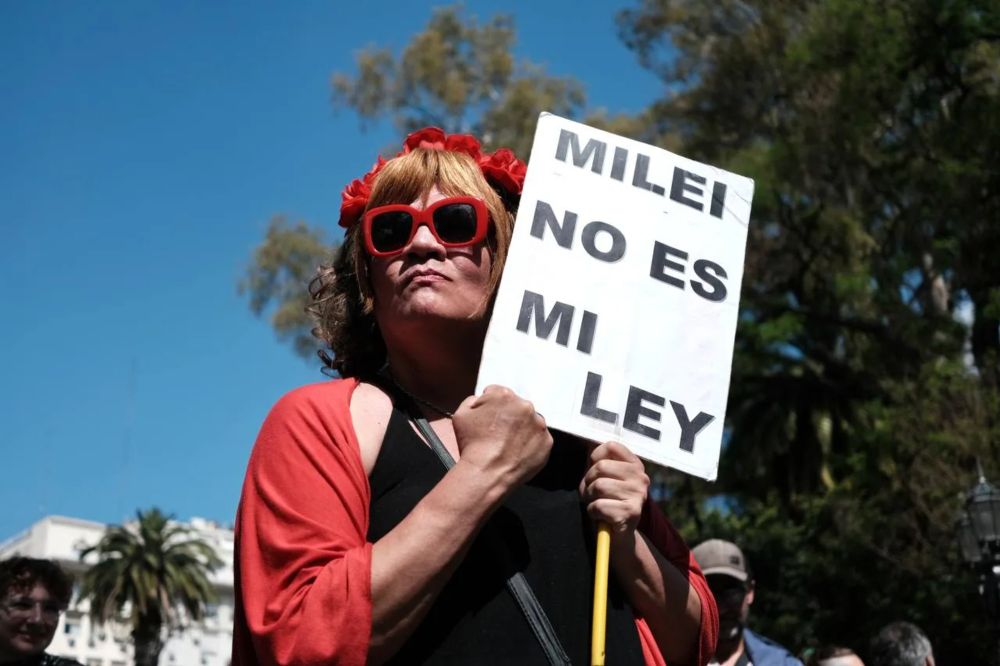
column 303, row 565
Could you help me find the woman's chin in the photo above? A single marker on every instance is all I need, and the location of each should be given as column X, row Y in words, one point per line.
column 426, row 304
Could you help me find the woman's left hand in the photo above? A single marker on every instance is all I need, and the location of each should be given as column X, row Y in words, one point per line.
column 615, row 487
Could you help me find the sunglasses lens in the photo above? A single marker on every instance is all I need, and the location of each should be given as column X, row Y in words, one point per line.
column 455, row 223
column 391, row 231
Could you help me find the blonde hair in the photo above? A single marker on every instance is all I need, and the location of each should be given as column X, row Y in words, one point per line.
column 342, row 299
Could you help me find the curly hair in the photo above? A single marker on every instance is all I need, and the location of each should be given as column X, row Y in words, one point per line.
column 20, row 574
column 342, row 299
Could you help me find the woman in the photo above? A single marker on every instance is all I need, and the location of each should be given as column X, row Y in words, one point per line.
column 356, row 544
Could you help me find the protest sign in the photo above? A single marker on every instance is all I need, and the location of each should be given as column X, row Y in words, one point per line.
column 617, row 310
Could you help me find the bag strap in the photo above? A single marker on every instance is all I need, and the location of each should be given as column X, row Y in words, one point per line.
column 516, row 583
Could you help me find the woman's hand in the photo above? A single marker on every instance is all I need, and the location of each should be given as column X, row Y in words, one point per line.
column 615, row 487
column 502, row 442
column 501, row 434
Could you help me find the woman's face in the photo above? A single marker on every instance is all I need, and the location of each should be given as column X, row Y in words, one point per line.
column 427, row 280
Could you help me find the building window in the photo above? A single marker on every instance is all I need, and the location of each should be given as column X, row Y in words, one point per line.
column 94, row 662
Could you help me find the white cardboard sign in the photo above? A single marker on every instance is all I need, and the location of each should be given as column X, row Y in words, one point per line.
column 617, row 310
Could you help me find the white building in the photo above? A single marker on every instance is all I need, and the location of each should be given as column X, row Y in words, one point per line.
column 208, row 643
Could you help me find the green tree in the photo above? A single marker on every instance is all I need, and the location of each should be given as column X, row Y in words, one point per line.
column 879, row 544
column 860, row 127
column 865, row 376
column 277, row 279
column 457, row 74
column 460, row 76
column 152, row 575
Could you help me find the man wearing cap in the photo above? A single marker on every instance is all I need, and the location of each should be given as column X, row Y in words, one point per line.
column 729, row 577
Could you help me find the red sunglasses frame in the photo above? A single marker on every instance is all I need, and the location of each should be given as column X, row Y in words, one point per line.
column 425, row 217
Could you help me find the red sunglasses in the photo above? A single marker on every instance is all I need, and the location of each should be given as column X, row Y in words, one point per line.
column 455, row 222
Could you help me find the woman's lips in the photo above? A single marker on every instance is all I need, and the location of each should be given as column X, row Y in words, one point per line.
column 424, row 276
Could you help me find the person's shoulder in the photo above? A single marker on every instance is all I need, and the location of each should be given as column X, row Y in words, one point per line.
column 319, row 392
column 309, row 414
column 766, row 652
column 329, row 397
column 309, row 421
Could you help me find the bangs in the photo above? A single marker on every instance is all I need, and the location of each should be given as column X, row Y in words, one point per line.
column 411, row 176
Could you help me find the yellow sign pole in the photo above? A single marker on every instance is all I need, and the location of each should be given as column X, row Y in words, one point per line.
column 597, row 636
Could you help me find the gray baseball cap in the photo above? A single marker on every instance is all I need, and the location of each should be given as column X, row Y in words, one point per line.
column 716, row 556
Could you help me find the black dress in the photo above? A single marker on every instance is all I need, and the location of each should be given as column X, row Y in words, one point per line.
column 548, row 536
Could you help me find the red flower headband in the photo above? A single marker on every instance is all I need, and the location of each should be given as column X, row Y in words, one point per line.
column 502, row 169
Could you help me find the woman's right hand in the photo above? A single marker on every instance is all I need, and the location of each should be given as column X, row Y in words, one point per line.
column 502, row 442
column 501, row 434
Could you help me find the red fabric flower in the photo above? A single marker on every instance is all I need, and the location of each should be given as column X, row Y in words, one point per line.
column 428, row 137
column 464, row 143
column 355, row 196
column 435, row 139
column 502, row 169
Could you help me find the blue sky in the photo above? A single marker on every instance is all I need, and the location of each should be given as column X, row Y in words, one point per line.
column 145, row 146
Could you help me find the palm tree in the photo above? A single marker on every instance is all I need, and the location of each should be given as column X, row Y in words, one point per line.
column 152, row 575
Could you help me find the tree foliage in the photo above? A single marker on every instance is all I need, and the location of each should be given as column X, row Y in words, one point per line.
column 277, row 278
column 866, row 371
column 151, row 574
column 460, row 76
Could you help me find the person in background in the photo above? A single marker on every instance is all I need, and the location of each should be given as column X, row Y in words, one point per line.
column 33, row 594
column 729, row 578
column 834, row 656
column 901, row 644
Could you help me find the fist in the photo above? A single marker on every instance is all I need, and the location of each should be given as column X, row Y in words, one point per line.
column 501, row 434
